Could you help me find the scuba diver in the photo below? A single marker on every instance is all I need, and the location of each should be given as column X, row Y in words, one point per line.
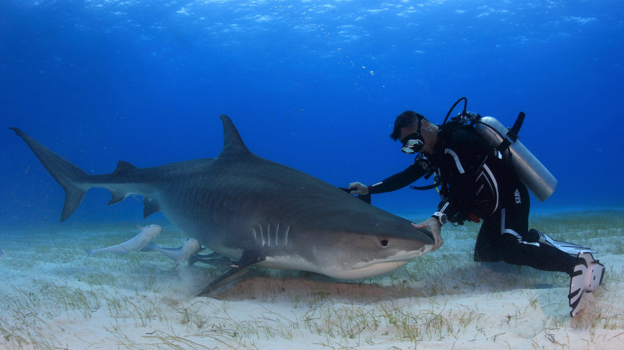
column 481, row 177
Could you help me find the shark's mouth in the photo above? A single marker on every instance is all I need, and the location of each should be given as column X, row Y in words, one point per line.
column 379, row 267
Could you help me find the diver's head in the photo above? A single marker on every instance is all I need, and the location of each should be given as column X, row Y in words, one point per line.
column 416, row 133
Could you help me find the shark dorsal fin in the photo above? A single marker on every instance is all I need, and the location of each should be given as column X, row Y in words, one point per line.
column 233, row 145
column 123, row 167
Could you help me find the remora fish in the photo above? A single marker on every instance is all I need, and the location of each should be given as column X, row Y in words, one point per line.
column 255, row 211
column 138, row 242
column 191, row 247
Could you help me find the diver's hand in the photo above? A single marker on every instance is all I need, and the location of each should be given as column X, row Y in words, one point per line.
column 358, row 188
column 433, row 225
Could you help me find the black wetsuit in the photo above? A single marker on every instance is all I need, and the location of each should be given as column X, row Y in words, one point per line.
column 477, row 182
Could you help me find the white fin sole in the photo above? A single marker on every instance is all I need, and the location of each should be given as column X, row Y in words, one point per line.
column 586, row 278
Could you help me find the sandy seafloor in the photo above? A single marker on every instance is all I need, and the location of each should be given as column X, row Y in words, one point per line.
column 53, row 297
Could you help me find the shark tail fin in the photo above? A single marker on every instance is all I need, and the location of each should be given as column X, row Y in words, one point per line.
column 70, row 177
column 89, row 252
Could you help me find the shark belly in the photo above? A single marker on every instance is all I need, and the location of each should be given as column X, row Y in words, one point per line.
column 298, row 263
column 289, row 262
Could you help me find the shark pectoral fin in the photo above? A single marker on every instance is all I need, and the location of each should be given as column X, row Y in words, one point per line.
column 150, row 206
column 116, row 197
column 237, row 269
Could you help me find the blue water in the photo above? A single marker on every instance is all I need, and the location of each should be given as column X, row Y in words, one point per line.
column 314, row 85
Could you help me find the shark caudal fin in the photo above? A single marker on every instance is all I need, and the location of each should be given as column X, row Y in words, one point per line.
column 69, row 176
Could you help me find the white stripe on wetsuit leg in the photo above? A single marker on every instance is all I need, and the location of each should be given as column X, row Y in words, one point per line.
column 512, row 232
column 457, row 162
column 495, row 185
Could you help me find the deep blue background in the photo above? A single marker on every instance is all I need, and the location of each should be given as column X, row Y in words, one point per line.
column 314, row 85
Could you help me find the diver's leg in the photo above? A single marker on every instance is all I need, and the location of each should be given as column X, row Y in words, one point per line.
column 490, row 245
column 538, row 256
column 515, row 247
column 486, row 247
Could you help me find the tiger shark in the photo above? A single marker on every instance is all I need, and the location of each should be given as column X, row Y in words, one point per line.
column 255, row 212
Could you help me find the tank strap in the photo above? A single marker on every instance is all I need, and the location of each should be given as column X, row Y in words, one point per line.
column 424, row 188
column 426, row 164
column 512, row 134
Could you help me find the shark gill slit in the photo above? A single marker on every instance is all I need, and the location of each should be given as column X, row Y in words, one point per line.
column 276, row 235
column 254, row 234
column 261, row 234
column 269, row 234
column 286, row 236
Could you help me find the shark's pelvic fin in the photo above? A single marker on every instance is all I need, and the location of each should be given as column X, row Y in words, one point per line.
column 69, row 176
column 150, row 206
column 122, row 169
column 116, row 197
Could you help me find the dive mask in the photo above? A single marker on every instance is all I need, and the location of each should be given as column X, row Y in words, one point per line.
column 412, row 143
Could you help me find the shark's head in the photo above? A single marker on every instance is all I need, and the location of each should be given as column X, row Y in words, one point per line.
column 151, row 231
column 191, row 246
column 371, row 255
column 360, row 241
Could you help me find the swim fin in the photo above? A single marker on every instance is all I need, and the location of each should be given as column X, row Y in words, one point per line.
column 570, row 248
column 586, row 278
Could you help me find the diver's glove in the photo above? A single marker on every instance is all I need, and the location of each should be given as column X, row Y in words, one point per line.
column 432, row 225
column 358, row 188
column 586, row 278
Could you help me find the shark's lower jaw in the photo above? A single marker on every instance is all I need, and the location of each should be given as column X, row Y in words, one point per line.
column 368, row 271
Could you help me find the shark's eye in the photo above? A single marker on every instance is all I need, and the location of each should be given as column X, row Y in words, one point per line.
column 384, row 243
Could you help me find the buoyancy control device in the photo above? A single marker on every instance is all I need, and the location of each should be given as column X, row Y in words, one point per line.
column 530, row 170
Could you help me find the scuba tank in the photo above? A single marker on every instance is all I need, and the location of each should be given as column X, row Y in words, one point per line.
column 529, row 169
